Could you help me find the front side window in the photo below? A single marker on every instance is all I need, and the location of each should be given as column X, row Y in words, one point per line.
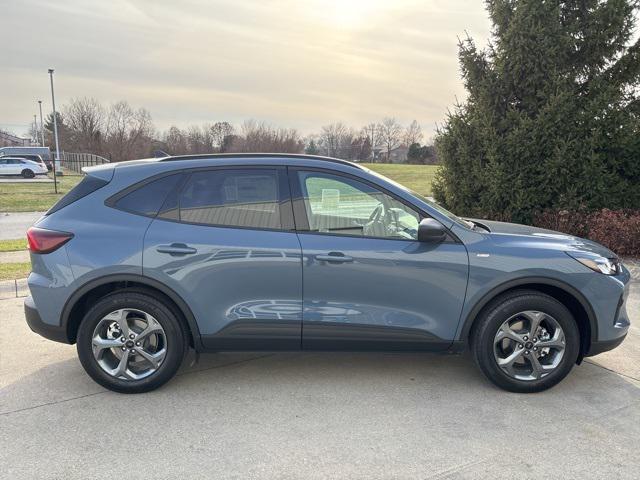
column 234, row 198
column 341, row 205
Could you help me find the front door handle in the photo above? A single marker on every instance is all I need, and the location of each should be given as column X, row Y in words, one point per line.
column 334, row 257
column 176, row 249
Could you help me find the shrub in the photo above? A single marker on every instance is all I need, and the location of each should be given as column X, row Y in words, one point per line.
column 618, row 230
column 573, row 222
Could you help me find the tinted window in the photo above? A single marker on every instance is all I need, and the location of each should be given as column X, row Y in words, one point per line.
column 236, row 198
column 148, row 198
column 88, row 185
column 344, row 206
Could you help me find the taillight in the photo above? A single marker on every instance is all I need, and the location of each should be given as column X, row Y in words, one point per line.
column 46, row 241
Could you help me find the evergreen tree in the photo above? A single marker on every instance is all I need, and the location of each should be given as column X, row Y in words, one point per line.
column 312, row 148
column 552, row 114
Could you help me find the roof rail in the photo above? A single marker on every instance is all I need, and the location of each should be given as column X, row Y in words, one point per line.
column 209, row 156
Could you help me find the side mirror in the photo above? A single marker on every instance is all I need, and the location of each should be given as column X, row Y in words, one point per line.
column 431, row 230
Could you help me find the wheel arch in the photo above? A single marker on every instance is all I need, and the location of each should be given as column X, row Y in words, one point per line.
column 571, row 298
column 76, row 305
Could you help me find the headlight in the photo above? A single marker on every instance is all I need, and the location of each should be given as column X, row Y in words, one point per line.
column 608, row 266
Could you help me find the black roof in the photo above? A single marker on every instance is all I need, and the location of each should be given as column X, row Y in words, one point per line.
column 259, row 155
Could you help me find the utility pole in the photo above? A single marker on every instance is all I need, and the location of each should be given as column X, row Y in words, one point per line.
column 41, row 124
column 55, row 134
column 35, row 129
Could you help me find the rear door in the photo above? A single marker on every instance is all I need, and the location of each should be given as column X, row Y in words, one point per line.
column 224, row 241
column 15, row 166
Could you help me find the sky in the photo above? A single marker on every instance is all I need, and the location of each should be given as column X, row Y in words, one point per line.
column 292, row 63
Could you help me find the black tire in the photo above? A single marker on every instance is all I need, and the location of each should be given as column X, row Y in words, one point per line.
column 176, row 340
column 26, row 173
column 496, row 313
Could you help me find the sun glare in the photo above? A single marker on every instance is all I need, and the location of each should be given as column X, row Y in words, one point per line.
column 348, row 14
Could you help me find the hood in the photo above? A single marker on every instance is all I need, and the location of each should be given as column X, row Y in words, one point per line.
column 535, row 234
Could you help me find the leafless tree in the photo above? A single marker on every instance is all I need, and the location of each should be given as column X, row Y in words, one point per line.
column 260, row 137
column 85, row 118
column 412, row 134
column 220, row 134
column 198, row 140
column 390, row 134
column 129, row 132
column 372, row 133
column 338, row 140
column 175, row 141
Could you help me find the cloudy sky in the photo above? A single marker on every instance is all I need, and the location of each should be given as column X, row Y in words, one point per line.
column 292, row 63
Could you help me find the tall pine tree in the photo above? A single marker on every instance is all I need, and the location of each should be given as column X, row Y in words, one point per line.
column 552, row 114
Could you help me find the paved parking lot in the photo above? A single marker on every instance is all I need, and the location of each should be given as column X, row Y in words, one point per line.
column 14, row 179
column 313, row 416
column 15, row 225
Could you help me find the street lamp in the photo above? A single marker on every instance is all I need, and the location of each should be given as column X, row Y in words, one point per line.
column 41, row 124
column 56, row 162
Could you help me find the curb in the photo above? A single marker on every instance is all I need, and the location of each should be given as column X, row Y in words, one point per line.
column 16, row 288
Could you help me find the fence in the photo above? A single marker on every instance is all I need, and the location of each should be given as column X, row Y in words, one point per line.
column 73, row 163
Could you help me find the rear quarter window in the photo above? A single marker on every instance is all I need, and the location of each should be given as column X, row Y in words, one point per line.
column 146, row 198
column 87, row 185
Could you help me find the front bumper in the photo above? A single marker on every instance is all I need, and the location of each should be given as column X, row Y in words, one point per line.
column 604, row 346
column 56, row 333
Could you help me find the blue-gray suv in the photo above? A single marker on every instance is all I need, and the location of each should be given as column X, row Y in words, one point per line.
column 143, row 260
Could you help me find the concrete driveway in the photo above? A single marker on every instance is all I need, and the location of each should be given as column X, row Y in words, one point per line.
column 313, row 416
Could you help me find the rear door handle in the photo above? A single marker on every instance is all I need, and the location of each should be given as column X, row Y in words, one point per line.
column 176, row 249
column 334, row 257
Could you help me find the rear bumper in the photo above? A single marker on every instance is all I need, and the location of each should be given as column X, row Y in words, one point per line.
column 56, row 333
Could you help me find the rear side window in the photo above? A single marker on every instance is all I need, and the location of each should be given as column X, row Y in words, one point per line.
column 234, row 198
column 147, row 198
column 86, row 186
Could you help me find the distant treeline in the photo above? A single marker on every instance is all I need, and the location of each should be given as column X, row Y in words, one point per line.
column 122, row 132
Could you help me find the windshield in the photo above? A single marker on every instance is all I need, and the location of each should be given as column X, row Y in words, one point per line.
column 431, row 203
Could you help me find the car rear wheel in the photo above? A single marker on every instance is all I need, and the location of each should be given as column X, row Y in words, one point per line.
column 26, row 173
column 525, row 341
column 131, row 342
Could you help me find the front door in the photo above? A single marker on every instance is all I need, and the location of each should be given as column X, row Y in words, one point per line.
column 368, row 283
column 225, row 243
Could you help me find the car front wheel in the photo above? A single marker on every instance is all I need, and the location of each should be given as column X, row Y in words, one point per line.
column 131, row 342
column 26, row 173
column 525, row 341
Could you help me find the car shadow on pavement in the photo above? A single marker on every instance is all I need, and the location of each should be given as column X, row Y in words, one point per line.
column 271, row 375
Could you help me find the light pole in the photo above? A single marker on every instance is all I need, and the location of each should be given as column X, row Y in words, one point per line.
column 41, row 124
column 56, row 162
column 35, row 129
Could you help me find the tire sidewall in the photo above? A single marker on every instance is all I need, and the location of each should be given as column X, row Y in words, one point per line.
column 174, row 335
column 496, row 316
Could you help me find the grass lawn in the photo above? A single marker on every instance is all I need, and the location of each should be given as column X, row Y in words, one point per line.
column 33, row 197
column 13, row 245
column 9, row 271
column 416, row 177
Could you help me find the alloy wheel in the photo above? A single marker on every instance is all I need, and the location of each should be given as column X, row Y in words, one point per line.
column 129, row 344
column 529, row 345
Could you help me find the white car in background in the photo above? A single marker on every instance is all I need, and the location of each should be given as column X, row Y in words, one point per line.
column 21, row 166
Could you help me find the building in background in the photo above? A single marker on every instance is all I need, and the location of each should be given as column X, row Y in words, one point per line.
column 9, row 140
